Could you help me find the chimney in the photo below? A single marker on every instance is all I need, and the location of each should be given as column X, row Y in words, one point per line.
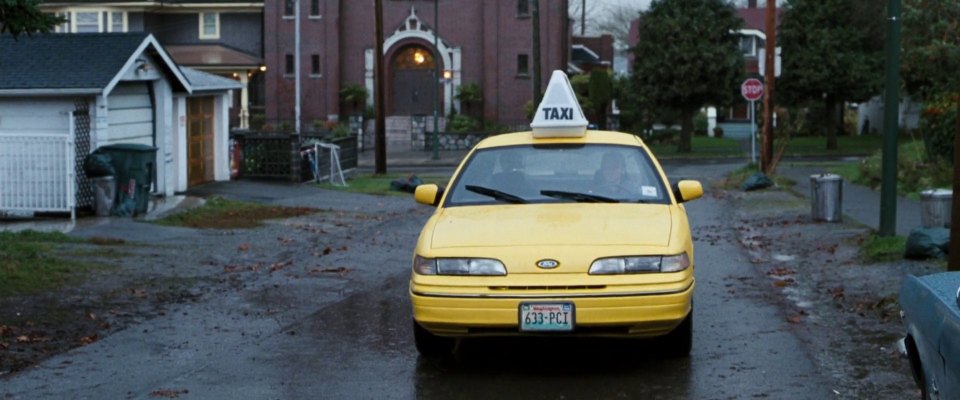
column 751, row 3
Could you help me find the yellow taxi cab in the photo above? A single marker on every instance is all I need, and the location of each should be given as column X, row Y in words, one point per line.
column 556, row 231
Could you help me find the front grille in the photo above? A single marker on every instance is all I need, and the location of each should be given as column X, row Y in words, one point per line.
column 546, row 288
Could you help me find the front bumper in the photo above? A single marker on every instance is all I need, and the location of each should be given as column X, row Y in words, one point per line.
column 630, row 314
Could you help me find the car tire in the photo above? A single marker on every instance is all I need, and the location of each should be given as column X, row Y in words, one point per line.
column 679, row 342
column 430, row 345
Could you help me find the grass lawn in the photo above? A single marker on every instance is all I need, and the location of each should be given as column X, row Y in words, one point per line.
column 879, row 249
column 28, row 262
column 380, row 184
column 701, row 146
column 220, row 213
column 862, row 145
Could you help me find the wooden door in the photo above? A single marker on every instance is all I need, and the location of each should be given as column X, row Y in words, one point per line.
column 200, row 160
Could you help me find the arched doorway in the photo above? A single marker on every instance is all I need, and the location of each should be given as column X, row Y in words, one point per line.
column 412, row 82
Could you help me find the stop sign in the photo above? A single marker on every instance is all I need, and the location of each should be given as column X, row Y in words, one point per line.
column 752, row 89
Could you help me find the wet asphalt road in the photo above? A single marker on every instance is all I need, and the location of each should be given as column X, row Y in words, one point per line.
column 351, row 338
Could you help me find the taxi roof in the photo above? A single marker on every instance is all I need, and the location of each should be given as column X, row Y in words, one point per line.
column 591, row 136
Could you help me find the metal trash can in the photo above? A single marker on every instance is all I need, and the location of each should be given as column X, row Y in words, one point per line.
column 826, row 197
column 935, row 207
column 104, row 193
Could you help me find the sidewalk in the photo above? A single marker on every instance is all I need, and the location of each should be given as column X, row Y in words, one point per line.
column 859, row 203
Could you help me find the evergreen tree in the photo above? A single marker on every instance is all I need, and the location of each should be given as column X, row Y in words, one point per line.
column 688, row 56
column 19, row 17
column 832, row 53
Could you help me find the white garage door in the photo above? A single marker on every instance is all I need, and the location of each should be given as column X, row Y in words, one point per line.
column 130, row 114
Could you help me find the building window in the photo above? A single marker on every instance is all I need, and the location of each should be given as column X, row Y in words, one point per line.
column 746, row 45
column 288, row 8
column 288, row 69
column 87, row 21
column 315, row 65
column 523, row 65
column 65, row 26
column 210, row 25
column 523, row 8
column 117, row 23
column 314, row 8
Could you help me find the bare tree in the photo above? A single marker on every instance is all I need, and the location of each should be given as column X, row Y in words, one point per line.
column 583, row 14
column 616, row 20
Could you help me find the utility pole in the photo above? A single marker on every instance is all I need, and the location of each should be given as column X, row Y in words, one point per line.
column 953, row 261
column 380, row 162
column 766, row 153
column 583, row 17
column 296, row 64
column 535, row 14
column 891, row 126
column 436, row 79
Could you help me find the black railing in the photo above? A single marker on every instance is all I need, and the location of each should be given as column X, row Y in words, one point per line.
column 269, row 155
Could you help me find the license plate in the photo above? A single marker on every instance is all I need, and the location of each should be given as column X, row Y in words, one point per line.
column 546, row 317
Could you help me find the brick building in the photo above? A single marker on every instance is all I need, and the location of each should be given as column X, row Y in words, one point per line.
column 483, row 42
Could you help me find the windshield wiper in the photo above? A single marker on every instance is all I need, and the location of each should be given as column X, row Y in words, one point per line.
column 496, row 194
column 578, row 197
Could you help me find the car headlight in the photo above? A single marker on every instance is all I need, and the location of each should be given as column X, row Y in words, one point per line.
column 458, row 266
column 640, row 264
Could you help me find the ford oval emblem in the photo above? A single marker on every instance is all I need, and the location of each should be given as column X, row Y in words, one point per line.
column 548, row 264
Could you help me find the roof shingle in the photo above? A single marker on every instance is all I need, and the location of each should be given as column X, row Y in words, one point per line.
column 65, row 61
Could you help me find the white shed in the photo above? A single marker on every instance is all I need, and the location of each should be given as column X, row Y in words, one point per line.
column 63, row 96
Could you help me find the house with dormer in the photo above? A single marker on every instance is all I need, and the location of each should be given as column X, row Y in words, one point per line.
column 221, row 37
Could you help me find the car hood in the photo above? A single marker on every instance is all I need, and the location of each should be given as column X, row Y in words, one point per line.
column 565, row 224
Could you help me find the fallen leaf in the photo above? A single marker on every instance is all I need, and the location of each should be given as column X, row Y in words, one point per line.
column 794, row 319
column 327, row 250
column 244, row 247
column 139, row 293
column 23, row 339
column 4, row 345
column 92, row 316
column 88, row 339
column 779, row 283
column 280, row 265
column 168, row 393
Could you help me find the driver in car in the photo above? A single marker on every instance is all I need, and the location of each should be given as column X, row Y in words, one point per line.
column 611, row 178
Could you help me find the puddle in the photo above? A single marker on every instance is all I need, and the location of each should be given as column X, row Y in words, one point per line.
column 784, row 257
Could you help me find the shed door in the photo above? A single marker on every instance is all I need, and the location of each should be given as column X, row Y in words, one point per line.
column 200, row 140
column 130, row 114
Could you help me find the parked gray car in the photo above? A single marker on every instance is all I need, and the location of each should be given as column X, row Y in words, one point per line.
column 930, row 306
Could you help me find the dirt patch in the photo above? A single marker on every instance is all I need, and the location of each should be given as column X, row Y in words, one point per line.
column 843, row 307
column 220, row 213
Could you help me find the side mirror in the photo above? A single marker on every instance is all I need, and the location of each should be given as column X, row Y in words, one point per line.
column 428, row 194
column 687, row 190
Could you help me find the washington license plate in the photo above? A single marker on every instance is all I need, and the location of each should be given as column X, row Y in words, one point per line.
column 546, row 317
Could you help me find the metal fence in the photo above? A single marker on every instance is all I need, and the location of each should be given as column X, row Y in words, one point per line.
column 280, row 155
column 37, row 173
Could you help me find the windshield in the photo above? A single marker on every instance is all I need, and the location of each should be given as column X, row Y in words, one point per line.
column 594, row 173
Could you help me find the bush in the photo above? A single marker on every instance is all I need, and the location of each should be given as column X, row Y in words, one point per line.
column 914, row 171
column 341, row 131
column 700, row 124
column 462, row 123
column 938, row 125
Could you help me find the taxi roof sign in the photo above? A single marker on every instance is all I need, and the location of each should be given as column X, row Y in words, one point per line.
column 559, row 113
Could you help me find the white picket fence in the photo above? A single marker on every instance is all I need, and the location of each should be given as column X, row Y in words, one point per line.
column 37, row 173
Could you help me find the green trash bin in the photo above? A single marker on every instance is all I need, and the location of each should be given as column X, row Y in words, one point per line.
column 134, row 165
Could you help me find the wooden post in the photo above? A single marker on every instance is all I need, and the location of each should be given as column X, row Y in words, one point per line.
column 766, row 152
